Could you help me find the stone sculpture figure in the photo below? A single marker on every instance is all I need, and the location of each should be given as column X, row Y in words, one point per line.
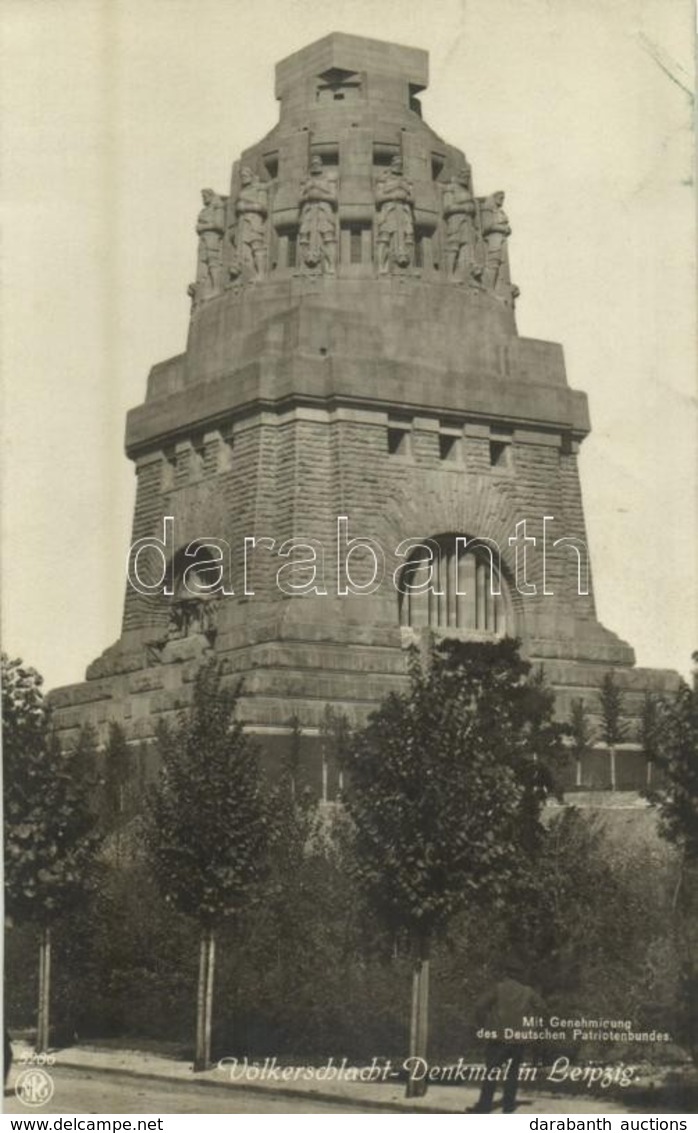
column 210, row 226
column 495, row 232
column 459, row 214
column 208, row 619
column 251, row 240
column 178, row 625
column 394, row 198
column 317, row 233
column 189, row 616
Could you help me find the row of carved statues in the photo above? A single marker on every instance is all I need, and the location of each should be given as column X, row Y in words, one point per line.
column 476, row 230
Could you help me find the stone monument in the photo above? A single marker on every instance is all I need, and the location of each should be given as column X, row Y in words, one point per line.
column 353, row 455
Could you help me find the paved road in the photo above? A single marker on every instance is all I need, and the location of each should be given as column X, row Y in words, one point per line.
column 88, row 1091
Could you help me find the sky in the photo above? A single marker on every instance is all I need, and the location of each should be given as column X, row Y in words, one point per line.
column 116, row 113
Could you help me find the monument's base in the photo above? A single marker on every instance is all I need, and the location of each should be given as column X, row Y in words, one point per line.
column 295, row 670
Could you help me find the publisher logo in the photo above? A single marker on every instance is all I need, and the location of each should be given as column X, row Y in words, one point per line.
column 34, row 1087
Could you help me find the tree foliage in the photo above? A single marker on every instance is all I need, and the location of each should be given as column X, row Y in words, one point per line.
column 650, row 727
column 294, row 827
column 206, row 827
column 86, row 763
column 676, row 756
column 581, row 729
column 49, row 822
column 613, row 725
column 118, row 799
column 335, row 737
column 24, row 712
column 447, row 781
column 291, row 759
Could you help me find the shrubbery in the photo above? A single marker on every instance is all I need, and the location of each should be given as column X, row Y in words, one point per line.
column 308, row 972
column 601, row 913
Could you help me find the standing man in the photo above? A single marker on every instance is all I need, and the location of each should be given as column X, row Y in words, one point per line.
column 503, row 1007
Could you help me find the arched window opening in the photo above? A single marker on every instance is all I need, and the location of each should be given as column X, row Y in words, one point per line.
column 447, row 585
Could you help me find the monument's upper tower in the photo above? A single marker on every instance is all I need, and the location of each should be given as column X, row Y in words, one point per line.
column 363, row 73
column 354, row 233
column 352, row 352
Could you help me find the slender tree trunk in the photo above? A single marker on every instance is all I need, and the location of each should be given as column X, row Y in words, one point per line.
column 612, row 752
column 208, row 1002
column 677, row 888
column 200, row 1052
column 47, row 989
column 204, row 998
column 40, row 1004
column 43, row 1017
column 119, row 823
column 419, row 1019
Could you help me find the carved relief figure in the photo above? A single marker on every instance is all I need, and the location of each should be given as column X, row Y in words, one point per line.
column 317, row 233
column 495, row 232
column 210, row 225
column 394, row 198
column 459, row 214
column 251, row 212
column 189, row 616
column 178, row 620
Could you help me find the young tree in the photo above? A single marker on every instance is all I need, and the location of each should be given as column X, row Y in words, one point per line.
column 335, row 736
column 613, row 726
column 295, row 827
column 649, row 731
column 582, row 735
column 86, row 763
column 206, row 827
column 117, row 785
column 49, row 823
column 291, row 759
column 445, row 787
column 675, row 748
